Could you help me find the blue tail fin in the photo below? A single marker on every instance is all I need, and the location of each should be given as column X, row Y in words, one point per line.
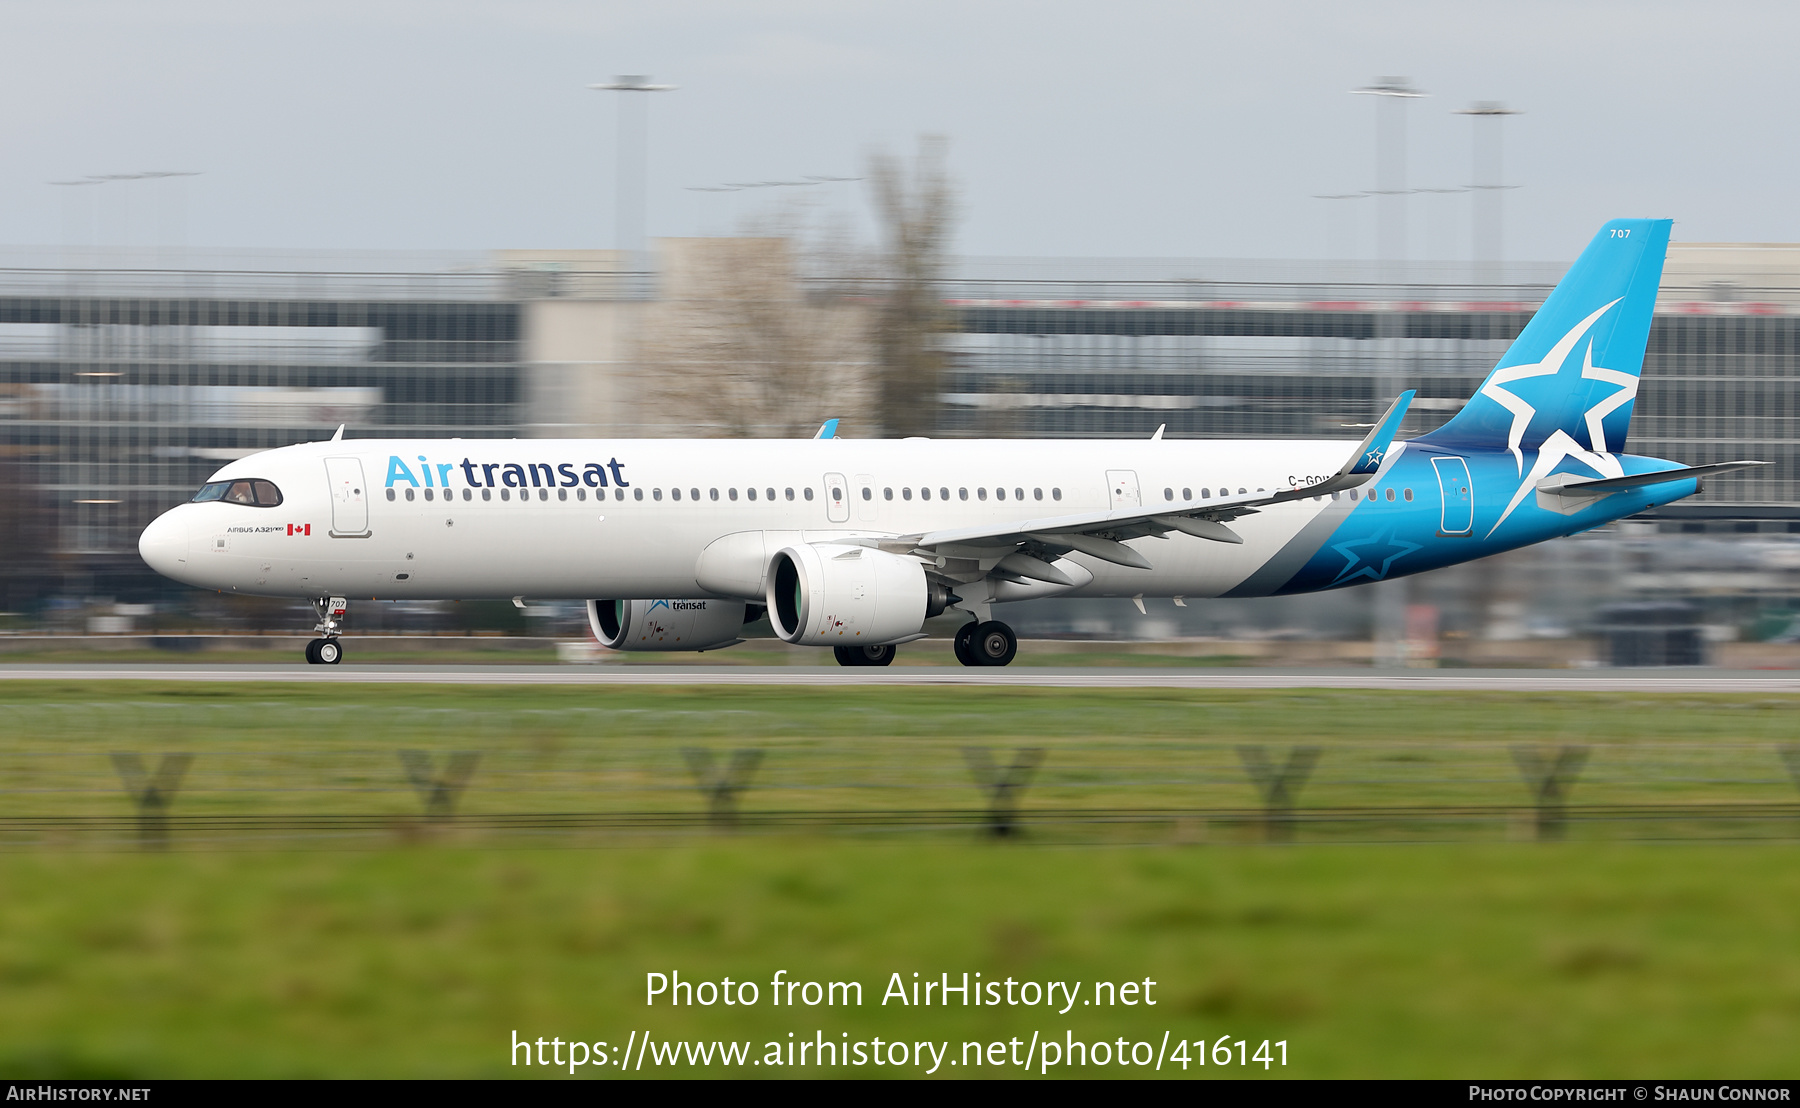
column 1574, row 369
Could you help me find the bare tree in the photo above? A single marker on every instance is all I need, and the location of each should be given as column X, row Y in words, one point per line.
column 916, row 206
column 747, row 343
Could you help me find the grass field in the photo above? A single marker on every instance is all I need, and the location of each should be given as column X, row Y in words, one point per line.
column 412, row 955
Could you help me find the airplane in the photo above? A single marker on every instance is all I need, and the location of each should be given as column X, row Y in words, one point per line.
column 864, row 545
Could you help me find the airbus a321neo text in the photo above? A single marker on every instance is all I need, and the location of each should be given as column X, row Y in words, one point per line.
column 697, row 544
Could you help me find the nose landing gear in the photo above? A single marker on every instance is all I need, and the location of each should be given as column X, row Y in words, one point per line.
column 327, row 650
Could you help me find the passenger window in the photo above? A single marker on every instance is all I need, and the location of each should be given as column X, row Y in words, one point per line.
column 713, row 493
column 790, row 494
column 808, row 491
column 731, row 494
column 837, row 493
column 1018, row 494
column 887, row 494
column 1168, row 494
column 906, row 493
column 1187, row 494
column 543, row 494
column 771, row 494
column 1390, row 495
column 1352, row 494
column 409, row 495
column 1056, row 494
column 868, row 494
column 390, row 494
column 999, row 494
column 636, row 494
column 562, row 494
column 674, row 494
column 1037, row 494
column 924, row 494
column 506, row 494
column 487, row 494
column 944, row 493
column 656, row 494
column 694, row 495
column 580, row 494
column 428, row 494
column 1241, row 492
column 1409, row 496
column 750, row 493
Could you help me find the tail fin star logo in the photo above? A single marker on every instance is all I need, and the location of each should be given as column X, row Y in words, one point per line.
column 1538, row 394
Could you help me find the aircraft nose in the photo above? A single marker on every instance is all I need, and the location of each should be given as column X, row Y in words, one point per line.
column 164, row 544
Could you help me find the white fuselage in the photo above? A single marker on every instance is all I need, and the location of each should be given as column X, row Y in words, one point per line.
column 578, row 518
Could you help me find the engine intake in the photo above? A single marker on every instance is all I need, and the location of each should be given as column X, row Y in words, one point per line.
column 671, row 624
column 828, row 594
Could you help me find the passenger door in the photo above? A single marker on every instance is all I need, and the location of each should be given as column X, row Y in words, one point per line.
column 837, row 498
column 349, row 498
column 1122, row 486
column 1458, row 496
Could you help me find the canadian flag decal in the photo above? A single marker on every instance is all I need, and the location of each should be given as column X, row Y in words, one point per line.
column 299, row 528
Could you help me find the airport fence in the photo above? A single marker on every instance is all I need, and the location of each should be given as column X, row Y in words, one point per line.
column 161, row 776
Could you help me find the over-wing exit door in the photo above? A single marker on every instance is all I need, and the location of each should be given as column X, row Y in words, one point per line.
column 1122, row 488
column 837, row 502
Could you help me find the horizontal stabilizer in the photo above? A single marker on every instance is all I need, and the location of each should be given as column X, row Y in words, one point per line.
column 1562, row 483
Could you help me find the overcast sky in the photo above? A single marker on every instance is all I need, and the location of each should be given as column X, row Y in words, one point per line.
column 1075, row 129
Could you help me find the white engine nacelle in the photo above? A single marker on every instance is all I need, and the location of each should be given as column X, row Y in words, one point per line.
column 668, row 624
column 835, row 595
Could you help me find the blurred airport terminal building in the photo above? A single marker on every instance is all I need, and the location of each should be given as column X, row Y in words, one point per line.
column 125, row 380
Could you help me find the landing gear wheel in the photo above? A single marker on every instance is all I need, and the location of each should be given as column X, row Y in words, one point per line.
column 865, row 655
column 994, row 644
column 329, row 652
column 312, row 651
column 964, row 644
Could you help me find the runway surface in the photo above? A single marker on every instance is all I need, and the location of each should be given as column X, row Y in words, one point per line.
column 1636, row 680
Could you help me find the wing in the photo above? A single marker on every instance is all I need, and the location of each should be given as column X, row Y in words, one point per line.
column 1029, row 548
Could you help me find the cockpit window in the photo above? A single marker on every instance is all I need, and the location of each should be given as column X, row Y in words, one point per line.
column 255, row 493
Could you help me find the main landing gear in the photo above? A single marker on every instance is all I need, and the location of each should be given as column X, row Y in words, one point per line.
column 865, row 655
column 327, row 650
column 989, row 643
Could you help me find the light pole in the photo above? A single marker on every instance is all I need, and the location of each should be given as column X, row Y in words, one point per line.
column 174, row 231
column 1339, row 242
column 1391, row 94
column 633, row 163
column 1488, row 183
